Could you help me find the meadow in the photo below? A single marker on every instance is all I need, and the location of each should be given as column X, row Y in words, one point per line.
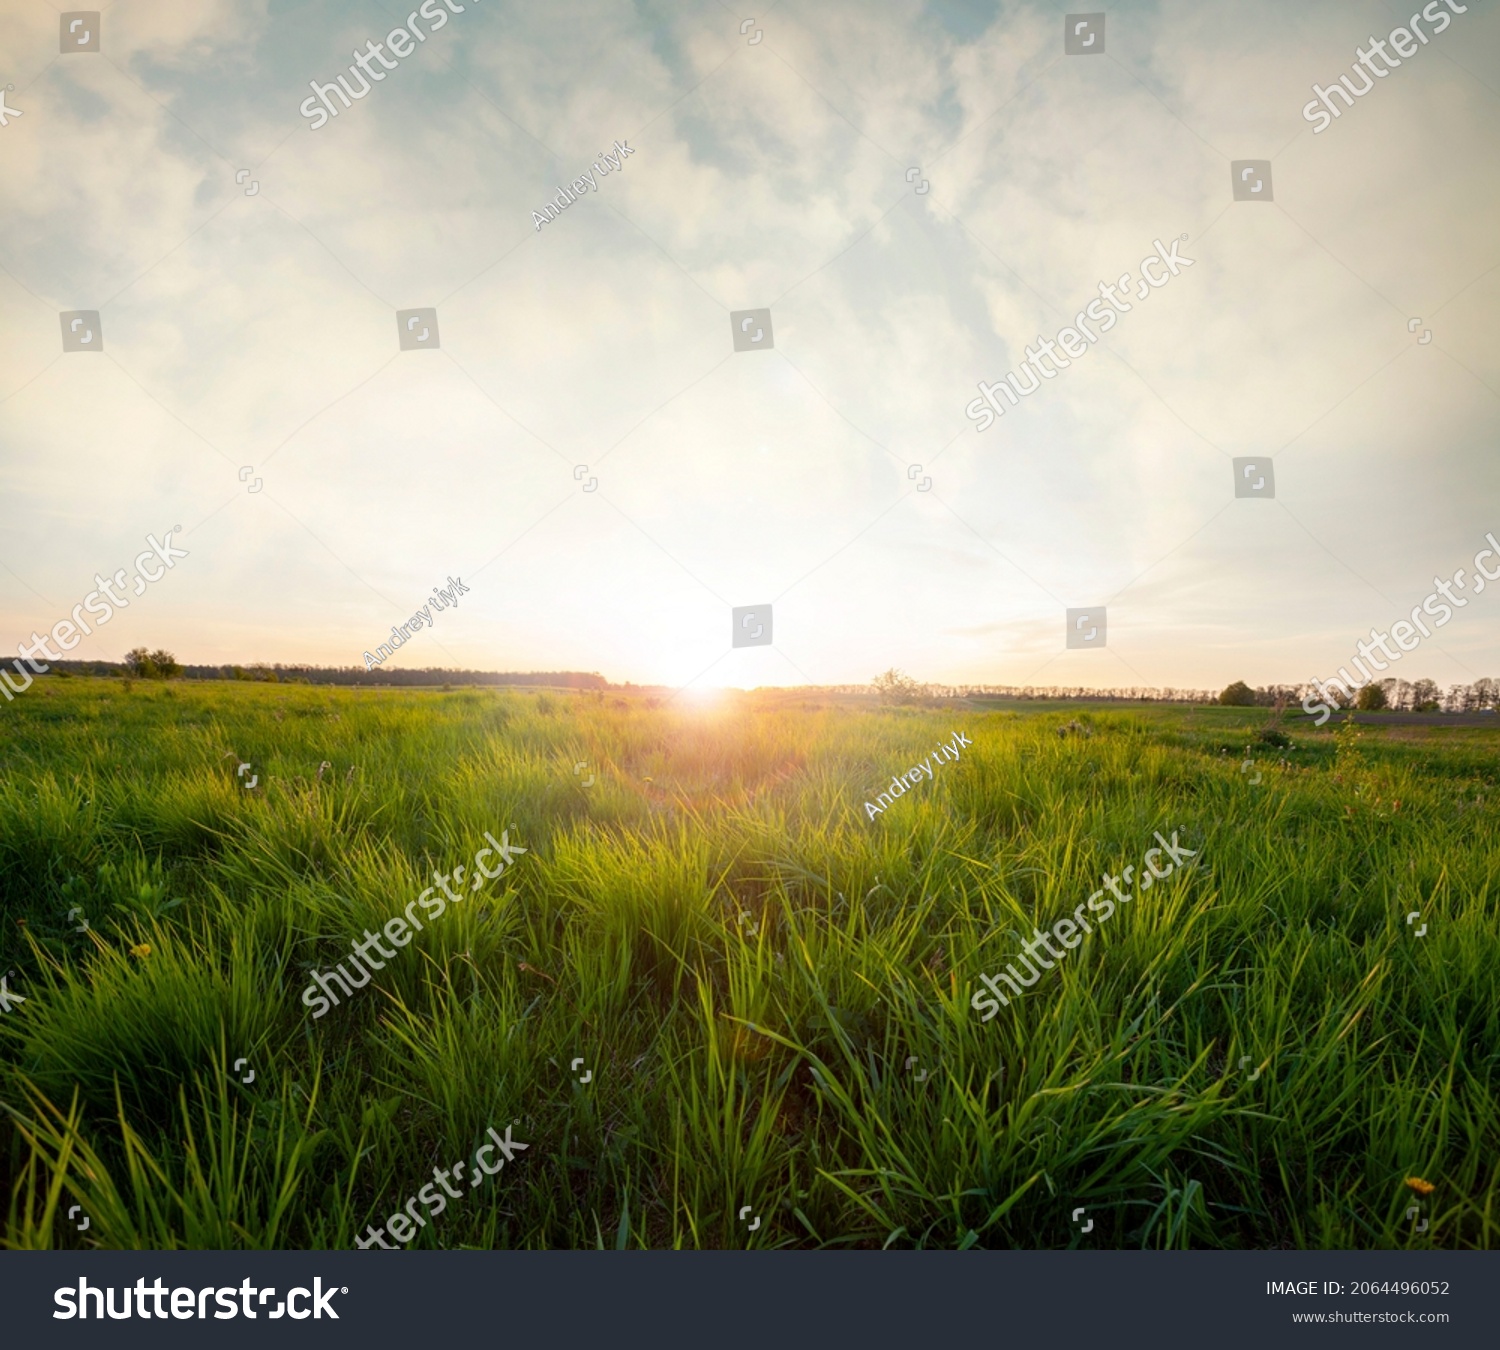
column 769, row 993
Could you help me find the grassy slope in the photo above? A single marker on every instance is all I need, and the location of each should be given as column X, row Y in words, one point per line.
column 745, row 964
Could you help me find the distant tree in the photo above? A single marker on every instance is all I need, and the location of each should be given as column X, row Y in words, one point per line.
column 1474, row 697
column 1371, row 698
column 157, row 665
column 1424, row 696
column 1238, row 695
column 166, row 664
column 1329, row 694
column 895, row 686
column 139, row 663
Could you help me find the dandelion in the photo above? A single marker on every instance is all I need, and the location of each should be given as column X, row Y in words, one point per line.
column 1419, row 1186
column 143, row 950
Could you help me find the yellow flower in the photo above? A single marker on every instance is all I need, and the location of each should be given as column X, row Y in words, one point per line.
column 1419, row 1186
column 143, row 950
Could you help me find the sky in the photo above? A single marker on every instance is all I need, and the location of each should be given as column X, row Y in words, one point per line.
column 916, row 192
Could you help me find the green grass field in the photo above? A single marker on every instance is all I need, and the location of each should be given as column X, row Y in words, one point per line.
column 745, row 964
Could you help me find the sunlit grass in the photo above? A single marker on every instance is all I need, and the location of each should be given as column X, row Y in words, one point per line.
column 769, row 991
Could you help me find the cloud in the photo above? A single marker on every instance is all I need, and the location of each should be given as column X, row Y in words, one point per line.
column 260, row 331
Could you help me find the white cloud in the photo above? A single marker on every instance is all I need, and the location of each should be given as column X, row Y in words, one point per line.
column 262, row 329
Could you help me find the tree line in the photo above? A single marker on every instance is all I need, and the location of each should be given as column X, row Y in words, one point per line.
column 163, row 665
column 1397, row 695
column 892, row 686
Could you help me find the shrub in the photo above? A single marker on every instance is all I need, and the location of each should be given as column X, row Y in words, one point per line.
column 139, row 663
column 157, row 665
column 895, row 686
column 167, row 667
